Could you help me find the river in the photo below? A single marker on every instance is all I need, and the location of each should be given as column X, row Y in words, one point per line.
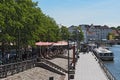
column 114, row 66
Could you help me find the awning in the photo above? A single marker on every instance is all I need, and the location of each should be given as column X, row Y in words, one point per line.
column 43, row 43
column 60, row 43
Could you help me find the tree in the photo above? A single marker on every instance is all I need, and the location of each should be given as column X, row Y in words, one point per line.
column 113, row 28
column 22, row 18
column 118, row 27
column 51, row 29
column 64, row 33
column 110, row 36
column 77, row 34
column 23, row 23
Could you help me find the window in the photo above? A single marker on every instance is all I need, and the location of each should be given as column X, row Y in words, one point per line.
column 106, row 54
column 100, row 54
column 111, row 54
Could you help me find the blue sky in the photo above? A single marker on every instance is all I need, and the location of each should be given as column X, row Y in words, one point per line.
column 75, row 12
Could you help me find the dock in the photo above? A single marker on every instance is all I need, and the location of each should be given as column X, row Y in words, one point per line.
column 88, row 68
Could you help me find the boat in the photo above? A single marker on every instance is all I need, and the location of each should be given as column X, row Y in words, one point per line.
column 104, row 54
column 92, row 46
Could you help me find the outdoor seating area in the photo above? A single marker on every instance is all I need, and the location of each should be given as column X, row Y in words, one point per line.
column 42, row 50
column 49, row 50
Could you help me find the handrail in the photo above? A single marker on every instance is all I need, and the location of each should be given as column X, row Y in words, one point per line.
column 107, row 72
column 53, row 65
column 13, row 68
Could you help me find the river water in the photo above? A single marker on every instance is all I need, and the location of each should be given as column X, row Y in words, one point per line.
column 114, row 66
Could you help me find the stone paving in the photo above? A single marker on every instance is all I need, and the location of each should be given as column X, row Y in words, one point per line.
column 36, row 73
column 63, row 62
column 87, row 68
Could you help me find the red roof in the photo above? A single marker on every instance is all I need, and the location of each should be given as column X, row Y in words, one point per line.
column 115, row 32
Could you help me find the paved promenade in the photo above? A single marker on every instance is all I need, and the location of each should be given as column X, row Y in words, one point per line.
column 87, row 68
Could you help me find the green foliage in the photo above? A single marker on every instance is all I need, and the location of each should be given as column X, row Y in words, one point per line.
column 110, row 34
column 22, row 18
column 77, row 34
column 118, row 27
column 64, row 33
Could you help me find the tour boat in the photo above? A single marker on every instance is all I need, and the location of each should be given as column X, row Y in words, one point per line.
column 104, row 54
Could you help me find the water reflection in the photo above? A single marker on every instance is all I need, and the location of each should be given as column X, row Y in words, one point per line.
column 114, row 66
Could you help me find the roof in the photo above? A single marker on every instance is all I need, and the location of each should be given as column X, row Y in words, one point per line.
column 59, row 43
column 115, row 32
column 102, row 50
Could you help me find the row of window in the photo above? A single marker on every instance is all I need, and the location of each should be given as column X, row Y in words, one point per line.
column 106, row 54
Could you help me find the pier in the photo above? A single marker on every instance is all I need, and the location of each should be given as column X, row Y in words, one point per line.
column 88, row 67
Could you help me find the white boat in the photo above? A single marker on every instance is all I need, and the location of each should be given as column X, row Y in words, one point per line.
column 104, row 54
column 92, row 46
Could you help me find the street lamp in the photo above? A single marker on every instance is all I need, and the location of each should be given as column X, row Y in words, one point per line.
column 71, row 68
column 78, row 31
column 68, row 61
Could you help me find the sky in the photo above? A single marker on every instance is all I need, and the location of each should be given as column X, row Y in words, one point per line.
column 76, row 12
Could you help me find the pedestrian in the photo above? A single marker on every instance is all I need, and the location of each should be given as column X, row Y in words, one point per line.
column 87, row 49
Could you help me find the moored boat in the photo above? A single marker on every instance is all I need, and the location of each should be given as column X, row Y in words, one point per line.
column 104, row 54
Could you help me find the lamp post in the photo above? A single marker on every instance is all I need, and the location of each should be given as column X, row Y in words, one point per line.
column 78, row 31
column 68, row 61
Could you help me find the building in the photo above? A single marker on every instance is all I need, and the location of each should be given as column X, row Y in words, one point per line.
column 71, row 29
column 95, row 33
column 85, row 28
column 116, row 34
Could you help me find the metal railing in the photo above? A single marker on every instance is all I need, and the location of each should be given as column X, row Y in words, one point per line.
column 107, row 72
column 53, row 65
column 13, row 68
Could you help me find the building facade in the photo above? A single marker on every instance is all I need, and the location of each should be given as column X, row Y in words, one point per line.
column 95, row 32
column 71, row 29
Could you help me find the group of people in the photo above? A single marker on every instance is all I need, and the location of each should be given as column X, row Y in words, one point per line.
column 25, row 54
column 50, row 52
column 86, row 48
